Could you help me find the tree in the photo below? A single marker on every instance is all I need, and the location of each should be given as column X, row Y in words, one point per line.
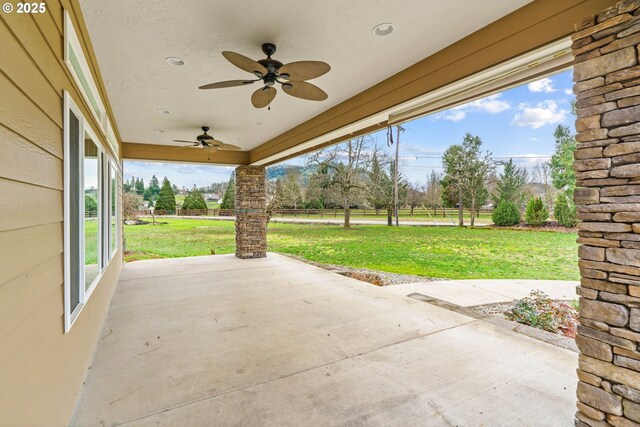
column 542, row 175
column 565, row 211
column 130, row 204
column 153, row 191
column 90, row 206
column 380, row 186
column 344, row 170
column 291, row 188
column 433, row 191
column 139, row 186
column 466, row 170
column 562, row 174
column 194, row 201
column 166, row 199
column 229, row 198
column 510, row 186
column 127, row 187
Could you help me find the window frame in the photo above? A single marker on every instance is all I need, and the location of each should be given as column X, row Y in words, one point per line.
column 102, row 264
column 106, row 164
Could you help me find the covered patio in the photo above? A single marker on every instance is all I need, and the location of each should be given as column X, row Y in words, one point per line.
column 216, row 340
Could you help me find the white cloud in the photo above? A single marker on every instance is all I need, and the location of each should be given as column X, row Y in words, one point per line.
column 538, row 115
column 568, row 91
column 491, row 104
column 544, row 85
column 454, row 115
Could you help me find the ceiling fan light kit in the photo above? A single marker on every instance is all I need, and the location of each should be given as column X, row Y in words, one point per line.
column 291, row 77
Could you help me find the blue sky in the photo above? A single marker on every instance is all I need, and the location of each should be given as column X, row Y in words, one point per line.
column 519, row 122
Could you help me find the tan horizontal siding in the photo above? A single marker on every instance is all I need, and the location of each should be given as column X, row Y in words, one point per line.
column 21, row 295
column 35, row 206
column 42, row 367
column 22, row 160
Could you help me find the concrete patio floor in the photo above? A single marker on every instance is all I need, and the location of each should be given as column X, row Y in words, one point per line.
column 217, row 340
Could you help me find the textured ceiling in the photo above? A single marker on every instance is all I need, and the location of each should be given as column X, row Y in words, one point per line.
column 132, row 38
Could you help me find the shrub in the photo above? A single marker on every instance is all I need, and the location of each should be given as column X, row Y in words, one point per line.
column 536, row 213
column 540, row 311
column 194, row 201
column 506, row 213
column 565, row 211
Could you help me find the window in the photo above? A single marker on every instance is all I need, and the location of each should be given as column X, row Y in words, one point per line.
column 91, row 206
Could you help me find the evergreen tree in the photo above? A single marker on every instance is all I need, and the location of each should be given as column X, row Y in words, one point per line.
column 511, row 184
column 536, row 213
column 139, row 186
column 194, row 201
column 166, row 199
column 153, row 191
column 562, row 174
column 174, row 188
column 229, row 198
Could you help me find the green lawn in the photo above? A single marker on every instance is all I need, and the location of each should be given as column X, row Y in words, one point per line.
column 447, row 252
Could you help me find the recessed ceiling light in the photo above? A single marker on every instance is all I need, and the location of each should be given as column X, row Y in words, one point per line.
column 158, row 131
column 163, row 111
column 174, row 60
column 383, row 29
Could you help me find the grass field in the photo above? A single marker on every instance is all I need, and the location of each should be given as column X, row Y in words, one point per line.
column 445, row 252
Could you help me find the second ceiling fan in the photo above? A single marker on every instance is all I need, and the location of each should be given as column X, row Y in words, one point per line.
column 290, row 76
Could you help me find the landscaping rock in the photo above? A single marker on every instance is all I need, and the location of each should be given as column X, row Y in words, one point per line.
column 631, row 410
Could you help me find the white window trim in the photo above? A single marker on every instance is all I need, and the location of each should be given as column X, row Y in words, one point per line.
column 112, row 253
column 101, row 261
column 103, row 227
column 72, row 42
column 69, row 317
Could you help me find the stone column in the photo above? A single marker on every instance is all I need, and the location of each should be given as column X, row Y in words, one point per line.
column 607, row 165
column 251, row 216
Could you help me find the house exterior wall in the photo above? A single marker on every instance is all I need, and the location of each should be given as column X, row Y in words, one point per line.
column 41, row 368
column 607, row 75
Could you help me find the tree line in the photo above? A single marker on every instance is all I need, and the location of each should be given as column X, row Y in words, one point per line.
column 359, row 174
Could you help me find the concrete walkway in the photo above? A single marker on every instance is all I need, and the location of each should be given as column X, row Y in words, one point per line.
column 327, row 221
column 469, row 293
column 215, row 340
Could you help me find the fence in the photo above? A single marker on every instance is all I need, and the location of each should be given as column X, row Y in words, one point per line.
column 329, row 213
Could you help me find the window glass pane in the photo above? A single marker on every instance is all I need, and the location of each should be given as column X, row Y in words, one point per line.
column 91, row 211
column 113, row 196
column 73, row 157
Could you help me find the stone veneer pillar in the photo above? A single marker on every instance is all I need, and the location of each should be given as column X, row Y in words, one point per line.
column 251, row 216
column 607, row 165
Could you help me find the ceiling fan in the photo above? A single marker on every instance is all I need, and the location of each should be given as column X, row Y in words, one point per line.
column 207, row 141
column 290, row 76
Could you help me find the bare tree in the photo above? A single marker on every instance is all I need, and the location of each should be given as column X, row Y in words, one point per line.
column 343, row 169
column 433, row 190
column 292, row 188
column 542, row 175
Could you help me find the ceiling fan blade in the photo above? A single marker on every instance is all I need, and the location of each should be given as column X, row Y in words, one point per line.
column 228, row 83
column 304, row 70
column 228, row 147
column 263, row 96
column 304, row 90
column 245, row 63
column 182, row 140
